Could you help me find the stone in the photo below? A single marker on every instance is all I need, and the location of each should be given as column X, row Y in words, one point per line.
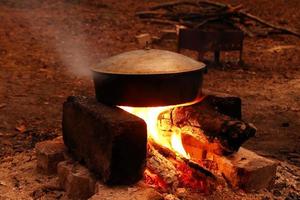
column 111, row 142
column 76, row 180
column 49, row 153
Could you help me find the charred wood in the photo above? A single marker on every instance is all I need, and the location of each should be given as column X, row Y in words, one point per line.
column 204, row 126
column 161, row 166
column 167, row 22
column 188, row 173
column 174, row 3
column 167, row 153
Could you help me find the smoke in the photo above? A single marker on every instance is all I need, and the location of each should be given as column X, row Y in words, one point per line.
column 74, row 53
column 63, row 26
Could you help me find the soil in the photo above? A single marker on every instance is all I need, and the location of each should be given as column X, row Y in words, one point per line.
column 47, row 46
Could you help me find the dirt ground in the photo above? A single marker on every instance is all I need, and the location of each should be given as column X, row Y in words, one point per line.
column 47, row 46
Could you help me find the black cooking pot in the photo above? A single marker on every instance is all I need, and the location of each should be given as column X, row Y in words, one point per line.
column 144, row 78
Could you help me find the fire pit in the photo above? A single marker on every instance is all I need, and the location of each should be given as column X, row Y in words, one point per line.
column 180, row 137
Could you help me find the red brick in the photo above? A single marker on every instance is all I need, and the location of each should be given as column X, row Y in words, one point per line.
column 49, row 153
column 76, row 180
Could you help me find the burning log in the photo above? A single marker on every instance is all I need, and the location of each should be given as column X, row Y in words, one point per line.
column 172, row 171
column 202, row 125
column 243, row 169
column 167, row 153
column 163, row 167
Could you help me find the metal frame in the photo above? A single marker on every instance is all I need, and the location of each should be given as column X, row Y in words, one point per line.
column 216, row 41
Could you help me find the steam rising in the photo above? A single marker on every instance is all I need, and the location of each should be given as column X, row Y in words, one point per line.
column 65, row 33
column 74, row 54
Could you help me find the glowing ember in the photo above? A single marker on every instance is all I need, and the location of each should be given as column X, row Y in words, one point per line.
column 154, row 180
column 150, row 116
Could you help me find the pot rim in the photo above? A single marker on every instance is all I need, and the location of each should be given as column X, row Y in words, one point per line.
column 148, row 62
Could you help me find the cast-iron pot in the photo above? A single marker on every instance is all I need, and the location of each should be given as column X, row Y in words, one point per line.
column 144, row 78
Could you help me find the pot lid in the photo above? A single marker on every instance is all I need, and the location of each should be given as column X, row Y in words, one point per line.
column 144, row 62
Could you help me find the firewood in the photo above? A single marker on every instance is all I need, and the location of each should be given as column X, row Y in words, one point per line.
column 242, row 28
column 197, row 178
column 243, row 169
column 205, row 21
column 225, row 103
column 167, row 153
column 188, row 2
column 197, row 16
column 161, row 166
column 279, row 28
column 168, row 22
column 213, row 3
column 210, row 11
column 169, row 4
column 204, row 126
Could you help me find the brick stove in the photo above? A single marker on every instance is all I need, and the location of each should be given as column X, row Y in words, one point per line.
column 110, row 141
column 193, row 145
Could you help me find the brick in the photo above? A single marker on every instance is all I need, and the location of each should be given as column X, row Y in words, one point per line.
column 49, row 153
column 76, row 180
column 111, row 142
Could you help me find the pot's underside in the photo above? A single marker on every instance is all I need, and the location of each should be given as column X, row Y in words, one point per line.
column 148, row 90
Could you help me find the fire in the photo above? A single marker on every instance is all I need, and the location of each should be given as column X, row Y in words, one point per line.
column 177, row 145
column 150, row 116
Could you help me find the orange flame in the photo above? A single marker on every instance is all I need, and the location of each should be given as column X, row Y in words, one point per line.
column 150, row 116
